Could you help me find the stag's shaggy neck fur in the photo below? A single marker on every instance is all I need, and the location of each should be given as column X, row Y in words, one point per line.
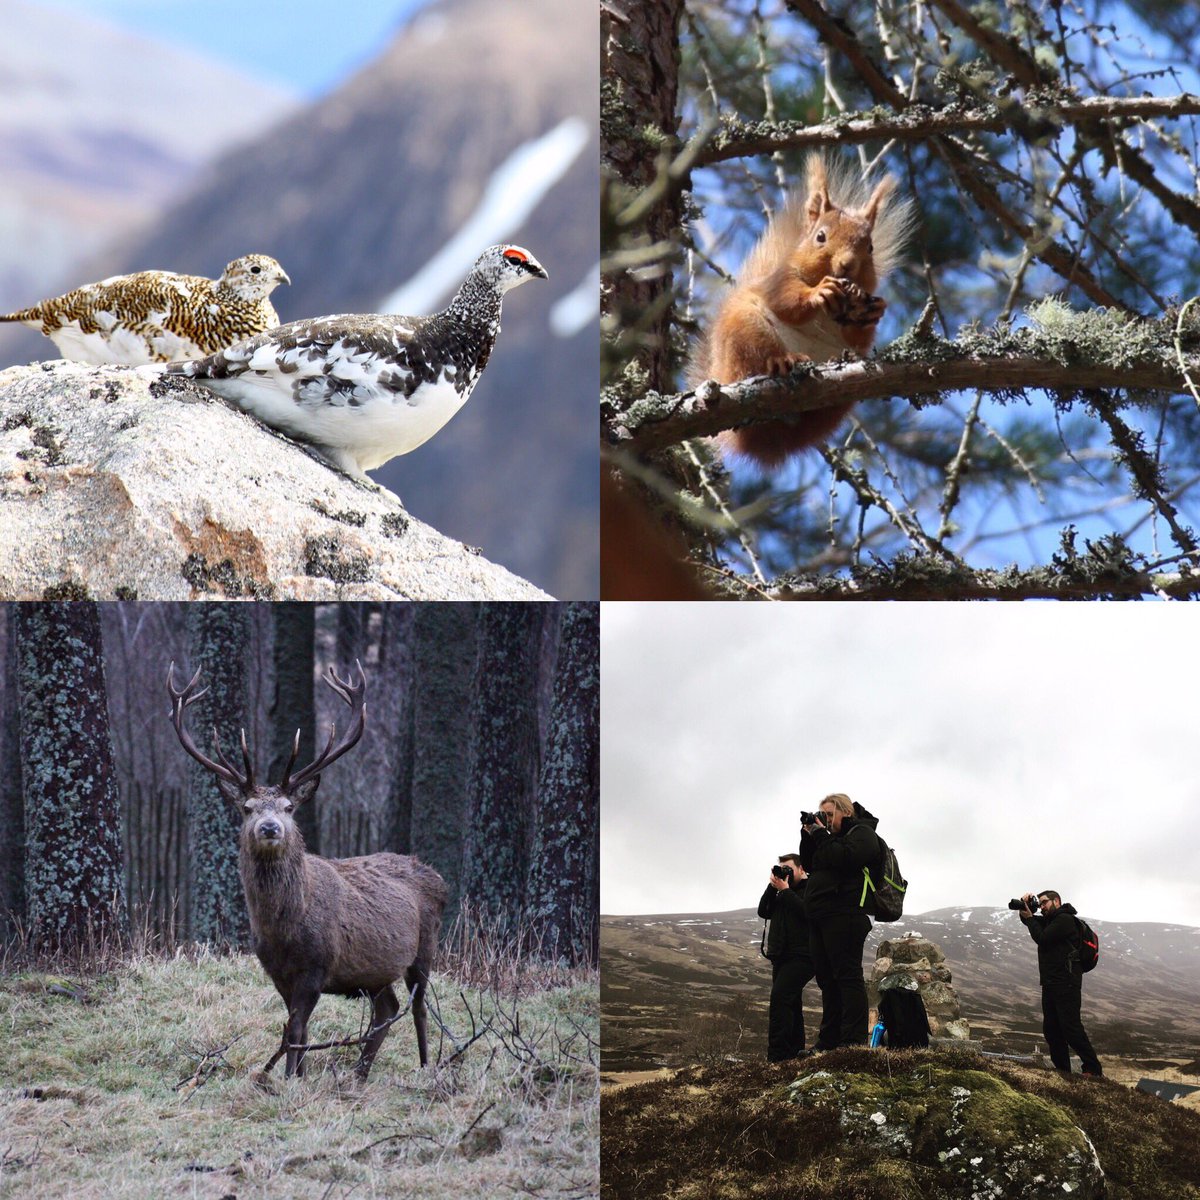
column 276, row 886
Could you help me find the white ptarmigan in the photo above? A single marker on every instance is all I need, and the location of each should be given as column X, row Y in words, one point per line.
column 363, row 388
column 159, row 316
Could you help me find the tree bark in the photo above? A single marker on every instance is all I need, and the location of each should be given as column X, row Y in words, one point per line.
column 563, row 904
column 292, row 706
column 217, row 639
column 74, row 877
column 444, row 652
column 396, row 657
column 12, row 801
column 505, row 771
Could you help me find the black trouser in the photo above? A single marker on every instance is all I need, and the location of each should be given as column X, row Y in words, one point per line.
column 836, row 945
column 785, row 1017
column 1063, row 1027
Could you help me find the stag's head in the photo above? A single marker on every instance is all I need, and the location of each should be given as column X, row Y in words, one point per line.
column 267, row 825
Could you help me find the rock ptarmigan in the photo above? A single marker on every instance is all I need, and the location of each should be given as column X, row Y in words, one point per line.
column 158, row 316
column 362, row 388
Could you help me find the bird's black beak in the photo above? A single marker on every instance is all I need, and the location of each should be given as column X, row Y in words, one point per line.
column 535, row 269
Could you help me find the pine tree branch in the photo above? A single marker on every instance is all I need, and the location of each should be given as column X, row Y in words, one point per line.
column 1059, row 258
column 1080, row 358
column 739, row 139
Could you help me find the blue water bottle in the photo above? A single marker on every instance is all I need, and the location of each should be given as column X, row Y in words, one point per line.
column 877, row 1035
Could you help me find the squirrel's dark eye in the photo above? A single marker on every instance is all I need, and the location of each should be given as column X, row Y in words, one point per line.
column 870, row 246
column 255, row 270
column 820, row 237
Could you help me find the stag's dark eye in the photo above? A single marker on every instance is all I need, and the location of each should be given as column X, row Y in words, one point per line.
column 247, row 809
column 820, row 239
column 287, row 808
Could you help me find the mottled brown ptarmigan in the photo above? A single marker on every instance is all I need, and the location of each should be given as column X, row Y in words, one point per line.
column 363, row 388
column 158, row 316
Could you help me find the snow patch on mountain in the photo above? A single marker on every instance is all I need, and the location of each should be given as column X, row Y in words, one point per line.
column 516, row 187
column 575, row 311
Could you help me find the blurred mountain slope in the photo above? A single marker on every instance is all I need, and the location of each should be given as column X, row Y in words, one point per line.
column 98, row 130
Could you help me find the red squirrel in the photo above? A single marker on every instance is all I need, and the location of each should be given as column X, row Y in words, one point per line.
column 805, row 294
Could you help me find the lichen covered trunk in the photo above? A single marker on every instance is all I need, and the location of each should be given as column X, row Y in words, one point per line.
column 73, row 872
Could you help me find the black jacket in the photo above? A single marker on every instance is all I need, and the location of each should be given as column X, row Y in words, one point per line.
column 1058, row 941
column 787, row 934
column 835, row 862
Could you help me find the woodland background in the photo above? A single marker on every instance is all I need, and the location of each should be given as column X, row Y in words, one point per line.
column 1029, row 426
column 480, row 756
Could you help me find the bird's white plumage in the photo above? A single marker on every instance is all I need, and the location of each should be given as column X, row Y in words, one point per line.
column 362, row 389
column 367, row 434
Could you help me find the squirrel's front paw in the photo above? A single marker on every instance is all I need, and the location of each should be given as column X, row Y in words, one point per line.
column 863, row 309
column 781, row 364
column 832, row 294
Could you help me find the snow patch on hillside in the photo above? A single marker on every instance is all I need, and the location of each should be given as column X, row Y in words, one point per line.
column 575, row 311
column 516, row 187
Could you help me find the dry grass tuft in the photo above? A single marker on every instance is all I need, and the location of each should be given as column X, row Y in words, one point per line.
column 139, row 1075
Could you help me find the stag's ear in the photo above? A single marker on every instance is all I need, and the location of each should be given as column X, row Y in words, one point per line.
column 306, row 791
column 232, row 794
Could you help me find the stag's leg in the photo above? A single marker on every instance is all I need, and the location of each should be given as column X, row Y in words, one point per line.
column 384, row 1006
column 415, row 979
column 305, row 995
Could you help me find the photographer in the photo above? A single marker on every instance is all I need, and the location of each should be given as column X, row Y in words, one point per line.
column 1058, row 940
column 782, row 904
column 834, row 847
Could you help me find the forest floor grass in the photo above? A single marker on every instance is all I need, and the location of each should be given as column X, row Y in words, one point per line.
column 145, row 1081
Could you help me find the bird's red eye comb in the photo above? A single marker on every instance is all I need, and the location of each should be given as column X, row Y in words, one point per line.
column 514, row 255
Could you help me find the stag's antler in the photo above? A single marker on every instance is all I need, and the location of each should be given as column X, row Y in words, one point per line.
column 355, row 696
column 187, row 695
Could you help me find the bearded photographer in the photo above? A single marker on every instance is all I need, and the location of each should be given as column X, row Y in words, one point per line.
column 836, row 843
column 1060, row 972
column 782, row 905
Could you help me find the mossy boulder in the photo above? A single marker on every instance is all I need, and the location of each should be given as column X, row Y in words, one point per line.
column 893, row 1125
column 966, row 1132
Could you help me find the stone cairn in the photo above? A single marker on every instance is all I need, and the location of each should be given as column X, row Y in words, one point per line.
column 915, row 963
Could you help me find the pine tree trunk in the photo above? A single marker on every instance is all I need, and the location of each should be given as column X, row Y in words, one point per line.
column 444, row 652
column 564, row 892
column 396, row 655
column 505, row 762
column 293, row 706
column 12, row 801
column 217, row 636
column 74, row 879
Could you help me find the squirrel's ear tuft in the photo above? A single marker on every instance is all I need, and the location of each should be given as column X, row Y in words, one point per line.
column 883, row 189
column 817, row 188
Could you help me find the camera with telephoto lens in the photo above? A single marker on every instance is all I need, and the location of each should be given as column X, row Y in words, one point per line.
column 782, row 872
column 1017, row 905
column 813, row 818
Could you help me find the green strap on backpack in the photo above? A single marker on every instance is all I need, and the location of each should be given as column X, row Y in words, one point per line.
column 885, row 890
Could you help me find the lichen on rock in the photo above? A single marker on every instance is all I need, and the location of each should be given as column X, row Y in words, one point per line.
column 987, row 1140
column 113, row 485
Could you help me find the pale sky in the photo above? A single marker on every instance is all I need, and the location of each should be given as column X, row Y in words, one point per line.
column 1003, row 747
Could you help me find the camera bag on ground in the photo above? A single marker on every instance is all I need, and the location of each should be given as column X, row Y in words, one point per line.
column 902, row 1012
column 1089, row 945
column 884, row 887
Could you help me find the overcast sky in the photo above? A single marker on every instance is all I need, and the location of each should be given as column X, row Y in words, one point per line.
column 1003, row 747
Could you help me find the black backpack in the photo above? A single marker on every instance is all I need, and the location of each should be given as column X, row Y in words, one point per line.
column 1089, row 945
column 884, row 887
column 902, row 1012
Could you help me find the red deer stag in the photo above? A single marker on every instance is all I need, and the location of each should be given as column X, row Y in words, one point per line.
column 343, row 926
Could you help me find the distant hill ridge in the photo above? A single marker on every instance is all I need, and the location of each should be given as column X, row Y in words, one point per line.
column 1141, row 999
